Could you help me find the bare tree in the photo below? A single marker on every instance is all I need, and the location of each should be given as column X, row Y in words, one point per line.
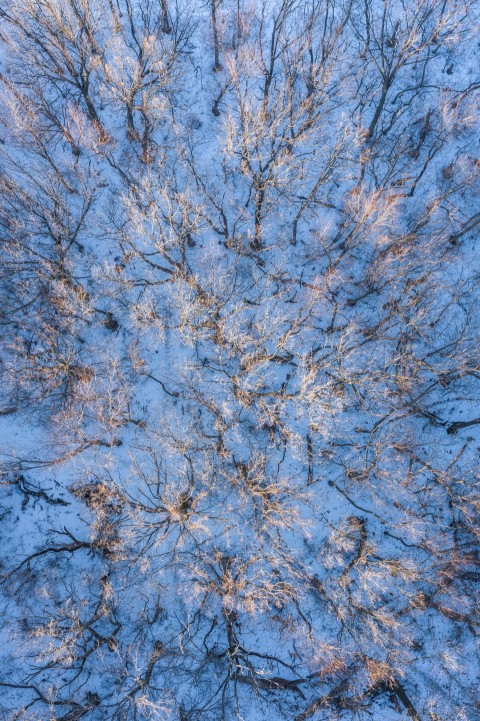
column 239, row 370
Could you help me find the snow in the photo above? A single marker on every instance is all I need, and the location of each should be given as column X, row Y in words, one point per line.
column 240, row 494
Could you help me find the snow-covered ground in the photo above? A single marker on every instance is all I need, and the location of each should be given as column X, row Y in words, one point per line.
column 239, row 407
